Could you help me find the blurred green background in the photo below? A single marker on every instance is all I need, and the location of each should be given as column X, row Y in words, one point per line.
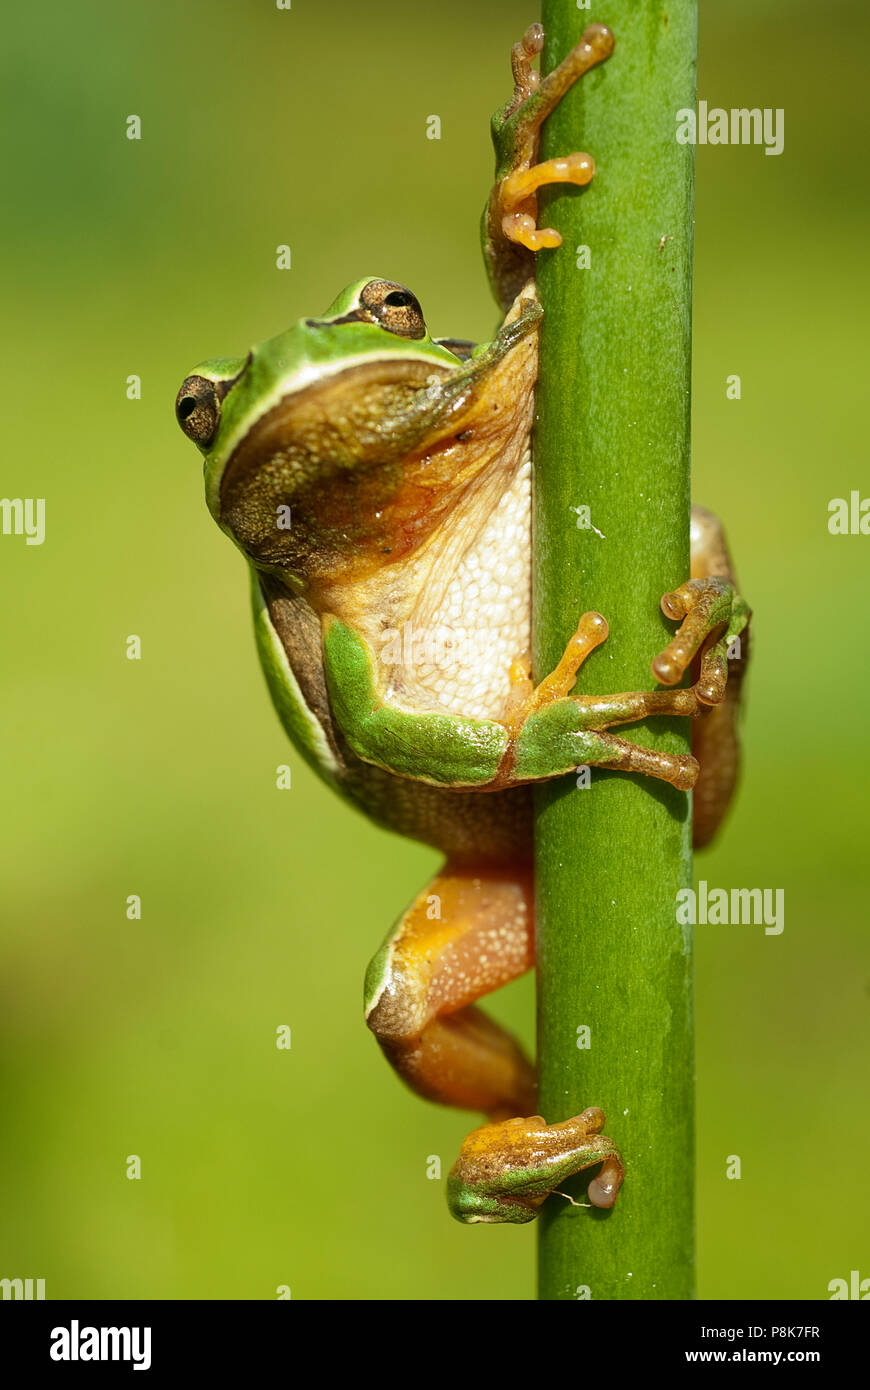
column 260, row 907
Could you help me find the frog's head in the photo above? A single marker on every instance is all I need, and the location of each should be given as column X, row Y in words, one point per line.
column 331, row 442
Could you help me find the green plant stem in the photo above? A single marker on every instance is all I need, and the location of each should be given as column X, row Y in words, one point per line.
column 613, row 435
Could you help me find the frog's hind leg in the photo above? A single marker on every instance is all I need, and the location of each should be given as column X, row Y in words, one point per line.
column 469, row 932
column 505, row 1172
column 715, row 739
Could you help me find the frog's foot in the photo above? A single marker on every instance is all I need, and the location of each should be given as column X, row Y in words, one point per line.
column 551, row 730
column 713, row 617
column 517, row 128
column 715, row 741
column 550, row 722
column 526, row 78
column 511, row 233
column 506, row 1171
column 518, row 204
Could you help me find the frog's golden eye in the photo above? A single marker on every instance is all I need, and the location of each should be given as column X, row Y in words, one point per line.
column 198, row 410
column 394, row 308
column 198, row 403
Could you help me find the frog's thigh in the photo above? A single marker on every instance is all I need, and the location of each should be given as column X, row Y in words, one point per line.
column 468, row 932
column 715, row 742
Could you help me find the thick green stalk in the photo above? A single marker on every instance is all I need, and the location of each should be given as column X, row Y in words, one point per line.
column 613, row 435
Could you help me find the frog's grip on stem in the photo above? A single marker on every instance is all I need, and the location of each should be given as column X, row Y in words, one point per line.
column 506, row 1171
column 526, row 78
column 705, row 609
column 511, row 234
column 518, row 188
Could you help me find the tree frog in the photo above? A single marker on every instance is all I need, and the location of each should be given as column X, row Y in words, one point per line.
column 377, row 479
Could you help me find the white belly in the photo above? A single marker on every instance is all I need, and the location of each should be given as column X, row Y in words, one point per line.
column 474, row 621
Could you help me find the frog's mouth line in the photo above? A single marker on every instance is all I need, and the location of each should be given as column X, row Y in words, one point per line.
column 357, row 414
column 322, row 464
column 337, row 458
column 372, row 402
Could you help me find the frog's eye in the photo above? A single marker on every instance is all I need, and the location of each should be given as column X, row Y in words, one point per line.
column 198, row 409
column 394, row 308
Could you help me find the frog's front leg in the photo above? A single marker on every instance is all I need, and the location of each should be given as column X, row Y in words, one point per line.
column 469, row 932
column 549, row 734
column 511, row 235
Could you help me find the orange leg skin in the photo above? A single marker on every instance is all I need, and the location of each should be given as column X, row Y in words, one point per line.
column 469, row 932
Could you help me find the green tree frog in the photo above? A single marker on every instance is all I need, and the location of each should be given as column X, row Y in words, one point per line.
column 377, row 480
